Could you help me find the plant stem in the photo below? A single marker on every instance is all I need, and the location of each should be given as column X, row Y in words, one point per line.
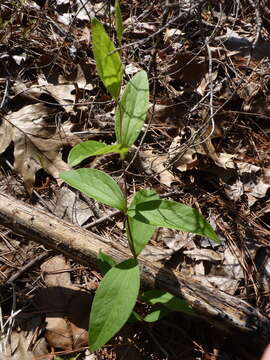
column 129, row 234
column 130, row 239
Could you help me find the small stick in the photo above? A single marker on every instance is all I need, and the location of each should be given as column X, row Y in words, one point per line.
column 27, row 266
column 102, row 219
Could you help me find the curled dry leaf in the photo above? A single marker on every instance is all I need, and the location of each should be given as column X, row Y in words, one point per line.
column 183, row 158
column 67, row 91
column 157, row 165
column 175, row 239
column 136, row 27
column 244, row 46
column 37, row 141
column 65, row 305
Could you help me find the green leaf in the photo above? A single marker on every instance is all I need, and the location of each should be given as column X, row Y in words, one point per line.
column 92, row 148
column 118, row 22
column 138, row 232
column 132, row 109
column 173, row 215
column 109, row 67
column 113, row 303
column 143, row 196
column 171, row 302
column 83, row 150
column 105, row 262
column 96, row 184
column 156, row 314
column 134, row 317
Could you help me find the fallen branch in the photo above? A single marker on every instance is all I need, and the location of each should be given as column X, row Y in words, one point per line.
column 83, row 246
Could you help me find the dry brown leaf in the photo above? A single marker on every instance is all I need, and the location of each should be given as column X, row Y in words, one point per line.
column 156, row 164
column 84, row 35
column 175, row 239
column 204, row 254
column 37, row 141
column 77, row 77
column 65, row 305
column 70, row 207
column 131, row 69
column 136, row 27
column 156, row 253
column 64, row 94
column 233, row 41
column 183, row 160
column 205, row 82
column 18, row 346
column 231, row 265
column 250, row 182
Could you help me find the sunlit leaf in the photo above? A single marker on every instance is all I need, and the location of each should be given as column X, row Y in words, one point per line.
column 113, row 303
column 96, row 184
column 144, row 195
column 118, row 22
column 140, row 233
column 173, row 215
column 171, row 302
column 109, row 67
column 92, row 148
column 156, row 314
column 132, row 109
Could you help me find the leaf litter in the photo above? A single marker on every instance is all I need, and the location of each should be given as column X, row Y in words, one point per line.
column 207, row 146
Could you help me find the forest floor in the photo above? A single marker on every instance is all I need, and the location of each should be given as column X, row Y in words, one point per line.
column 205, row 144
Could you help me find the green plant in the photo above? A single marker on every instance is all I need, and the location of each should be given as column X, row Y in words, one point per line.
column 119, row 289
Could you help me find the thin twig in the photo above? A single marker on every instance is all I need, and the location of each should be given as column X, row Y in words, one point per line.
column 28, row 265
column 102, row 219
column 5, row 94
column 160, row 30
column 256, row 7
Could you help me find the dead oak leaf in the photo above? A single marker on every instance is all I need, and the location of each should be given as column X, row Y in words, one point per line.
column 37, row 141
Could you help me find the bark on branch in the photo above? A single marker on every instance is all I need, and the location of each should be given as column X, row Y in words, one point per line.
column 83, row 246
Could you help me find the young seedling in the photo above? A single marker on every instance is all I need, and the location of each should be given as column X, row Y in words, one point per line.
column 119, row 289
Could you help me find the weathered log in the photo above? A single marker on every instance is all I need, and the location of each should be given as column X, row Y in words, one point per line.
column 223, row 310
